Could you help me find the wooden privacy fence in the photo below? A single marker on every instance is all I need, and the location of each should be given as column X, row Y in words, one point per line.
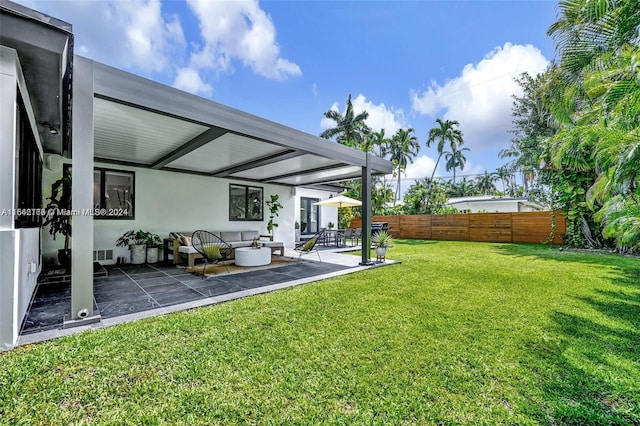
column 521, row 227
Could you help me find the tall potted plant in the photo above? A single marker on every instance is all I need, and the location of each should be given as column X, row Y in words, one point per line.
column 274, row 209
column 135, row 240
column 58, row 217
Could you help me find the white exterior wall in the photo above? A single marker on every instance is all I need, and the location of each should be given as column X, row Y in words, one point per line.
column 488, row 206
column 327, row 214
column 19, row 248
column 167, row 202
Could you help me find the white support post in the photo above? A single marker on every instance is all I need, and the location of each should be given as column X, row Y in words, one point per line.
column 82, row 311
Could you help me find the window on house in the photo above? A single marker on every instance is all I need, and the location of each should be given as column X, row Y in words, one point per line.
column 245, row 203
column 113, row 194
column 29, row 173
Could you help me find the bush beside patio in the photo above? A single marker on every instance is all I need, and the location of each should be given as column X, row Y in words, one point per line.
column 460, row 332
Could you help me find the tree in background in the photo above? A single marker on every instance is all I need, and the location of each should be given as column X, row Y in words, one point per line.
column 350, row 129
column 426, row 197
column 594, row 97
column 455, row 160
column 485, row 183
column 404, row 147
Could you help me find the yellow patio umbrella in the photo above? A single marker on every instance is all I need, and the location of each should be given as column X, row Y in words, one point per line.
column 339, row 201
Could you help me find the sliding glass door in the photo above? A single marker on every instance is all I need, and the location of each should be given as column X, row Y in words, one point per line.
column 309, row 216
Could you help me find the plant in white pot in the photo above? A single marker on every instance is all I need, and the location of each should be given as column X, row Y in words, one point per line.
column 135, row 240
column 152, row 241
column 297, row 232
column 381, row 241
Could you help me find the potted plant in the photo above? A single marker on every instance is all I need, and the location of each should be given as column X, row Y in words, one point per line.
column 330, row 225
column 297, row 232
column 135, row 240
column 381, row 241
column 152, row 241
column 274, row 209
column 58, row 217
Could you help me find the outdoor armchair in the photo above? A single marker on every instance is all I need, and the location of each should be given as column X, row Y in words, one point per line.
column 213, row 249
column 309, row 245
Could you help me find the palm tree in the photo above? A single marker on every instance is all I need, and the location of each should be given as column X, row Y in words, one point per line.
column 595, row 99
column 503, row 173
column 485, row 182
column 350, row 129
column 403, row 149
column 455, row 159
column 377, row 140
column 445, row 134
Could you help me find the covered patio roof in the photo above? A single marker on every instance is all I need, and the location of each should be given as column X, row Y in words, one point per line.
column 141, row 123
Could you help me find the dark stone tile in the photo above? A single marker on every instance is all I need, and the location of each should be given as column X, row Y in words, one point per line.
column 188, row 277
column 172, row 270
column 52, row 291
column 137, row 269
column 110, row 309
column 172, row 287
column 159, row 282
column 147, row 275
column 178, row 296
column 216, row 288
column 118, row 290
column 46, row 315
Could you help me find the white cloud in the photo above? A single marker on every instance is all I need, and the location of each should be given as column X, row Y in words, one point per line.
column 239, row 30
column 481, row 97
column 380, row 117
column 124, row 34
column 188, row 79
column 421, row 167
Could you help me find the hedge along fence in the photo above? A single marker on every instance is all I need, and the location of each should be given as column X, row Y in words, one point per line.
column 521, row 227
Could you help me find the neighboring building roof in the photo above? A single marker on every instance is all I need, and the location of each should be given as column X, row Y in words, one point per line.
column 494, row 199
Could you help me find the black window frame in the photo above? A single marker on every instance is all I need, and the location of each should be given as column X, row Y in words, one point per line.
column 29, row 172
column 234, row 205
column 101, row 205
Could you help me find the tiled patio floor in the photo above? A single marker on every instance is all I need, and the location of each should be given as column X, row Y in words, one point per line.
column 134, row 292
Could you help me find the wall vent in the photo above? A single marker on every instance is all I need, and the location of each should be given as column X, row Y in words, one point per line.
column 99, row 255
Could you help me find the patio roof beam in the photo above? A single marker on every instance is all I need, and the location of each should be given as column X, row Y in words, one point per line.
column 195, row 143
column 269, row 159
column 305, row 172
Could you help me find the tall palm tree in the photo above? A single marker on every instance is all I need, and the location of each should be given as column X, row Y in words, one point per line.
column 445, row 134
column 404, row 147
column 503, row 173
column 455, row 159
column 350, row 128
column 485, row 182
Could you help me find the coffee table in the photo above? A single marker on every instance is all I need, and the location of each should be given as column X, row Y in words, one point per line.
column 247, row 256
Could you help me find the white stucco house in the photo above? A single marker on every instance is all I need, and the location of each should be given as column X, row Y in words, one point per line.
column 494, row 204
column 142, row 154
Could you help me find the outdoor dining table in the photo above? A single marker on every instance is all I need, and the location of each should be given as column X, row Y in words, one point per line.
column 333, row 237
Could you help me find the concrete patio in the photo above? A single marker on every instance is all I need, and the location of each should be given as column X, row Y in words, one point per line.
column 132, row 292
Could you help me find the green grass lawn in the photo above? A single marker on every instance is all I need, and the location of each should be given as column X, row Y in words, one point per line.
column 459, row 333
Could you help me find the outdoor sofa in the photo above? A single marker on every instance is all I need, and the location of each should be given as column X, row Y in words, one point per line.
column 182, row 248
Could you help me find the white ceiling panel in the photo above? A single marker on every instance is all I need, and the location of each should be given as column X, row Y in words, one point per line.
column 126, row 133
column 337, row 174
column 292, row 165
column 225, row 151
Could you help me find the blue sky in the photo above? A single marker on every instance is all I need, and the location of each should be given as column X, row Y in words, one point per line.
column 406, row 62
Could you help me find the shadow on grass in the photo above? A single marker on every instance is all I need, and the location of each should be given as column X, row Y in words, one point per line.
column 627, row 268
column 593, row 370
